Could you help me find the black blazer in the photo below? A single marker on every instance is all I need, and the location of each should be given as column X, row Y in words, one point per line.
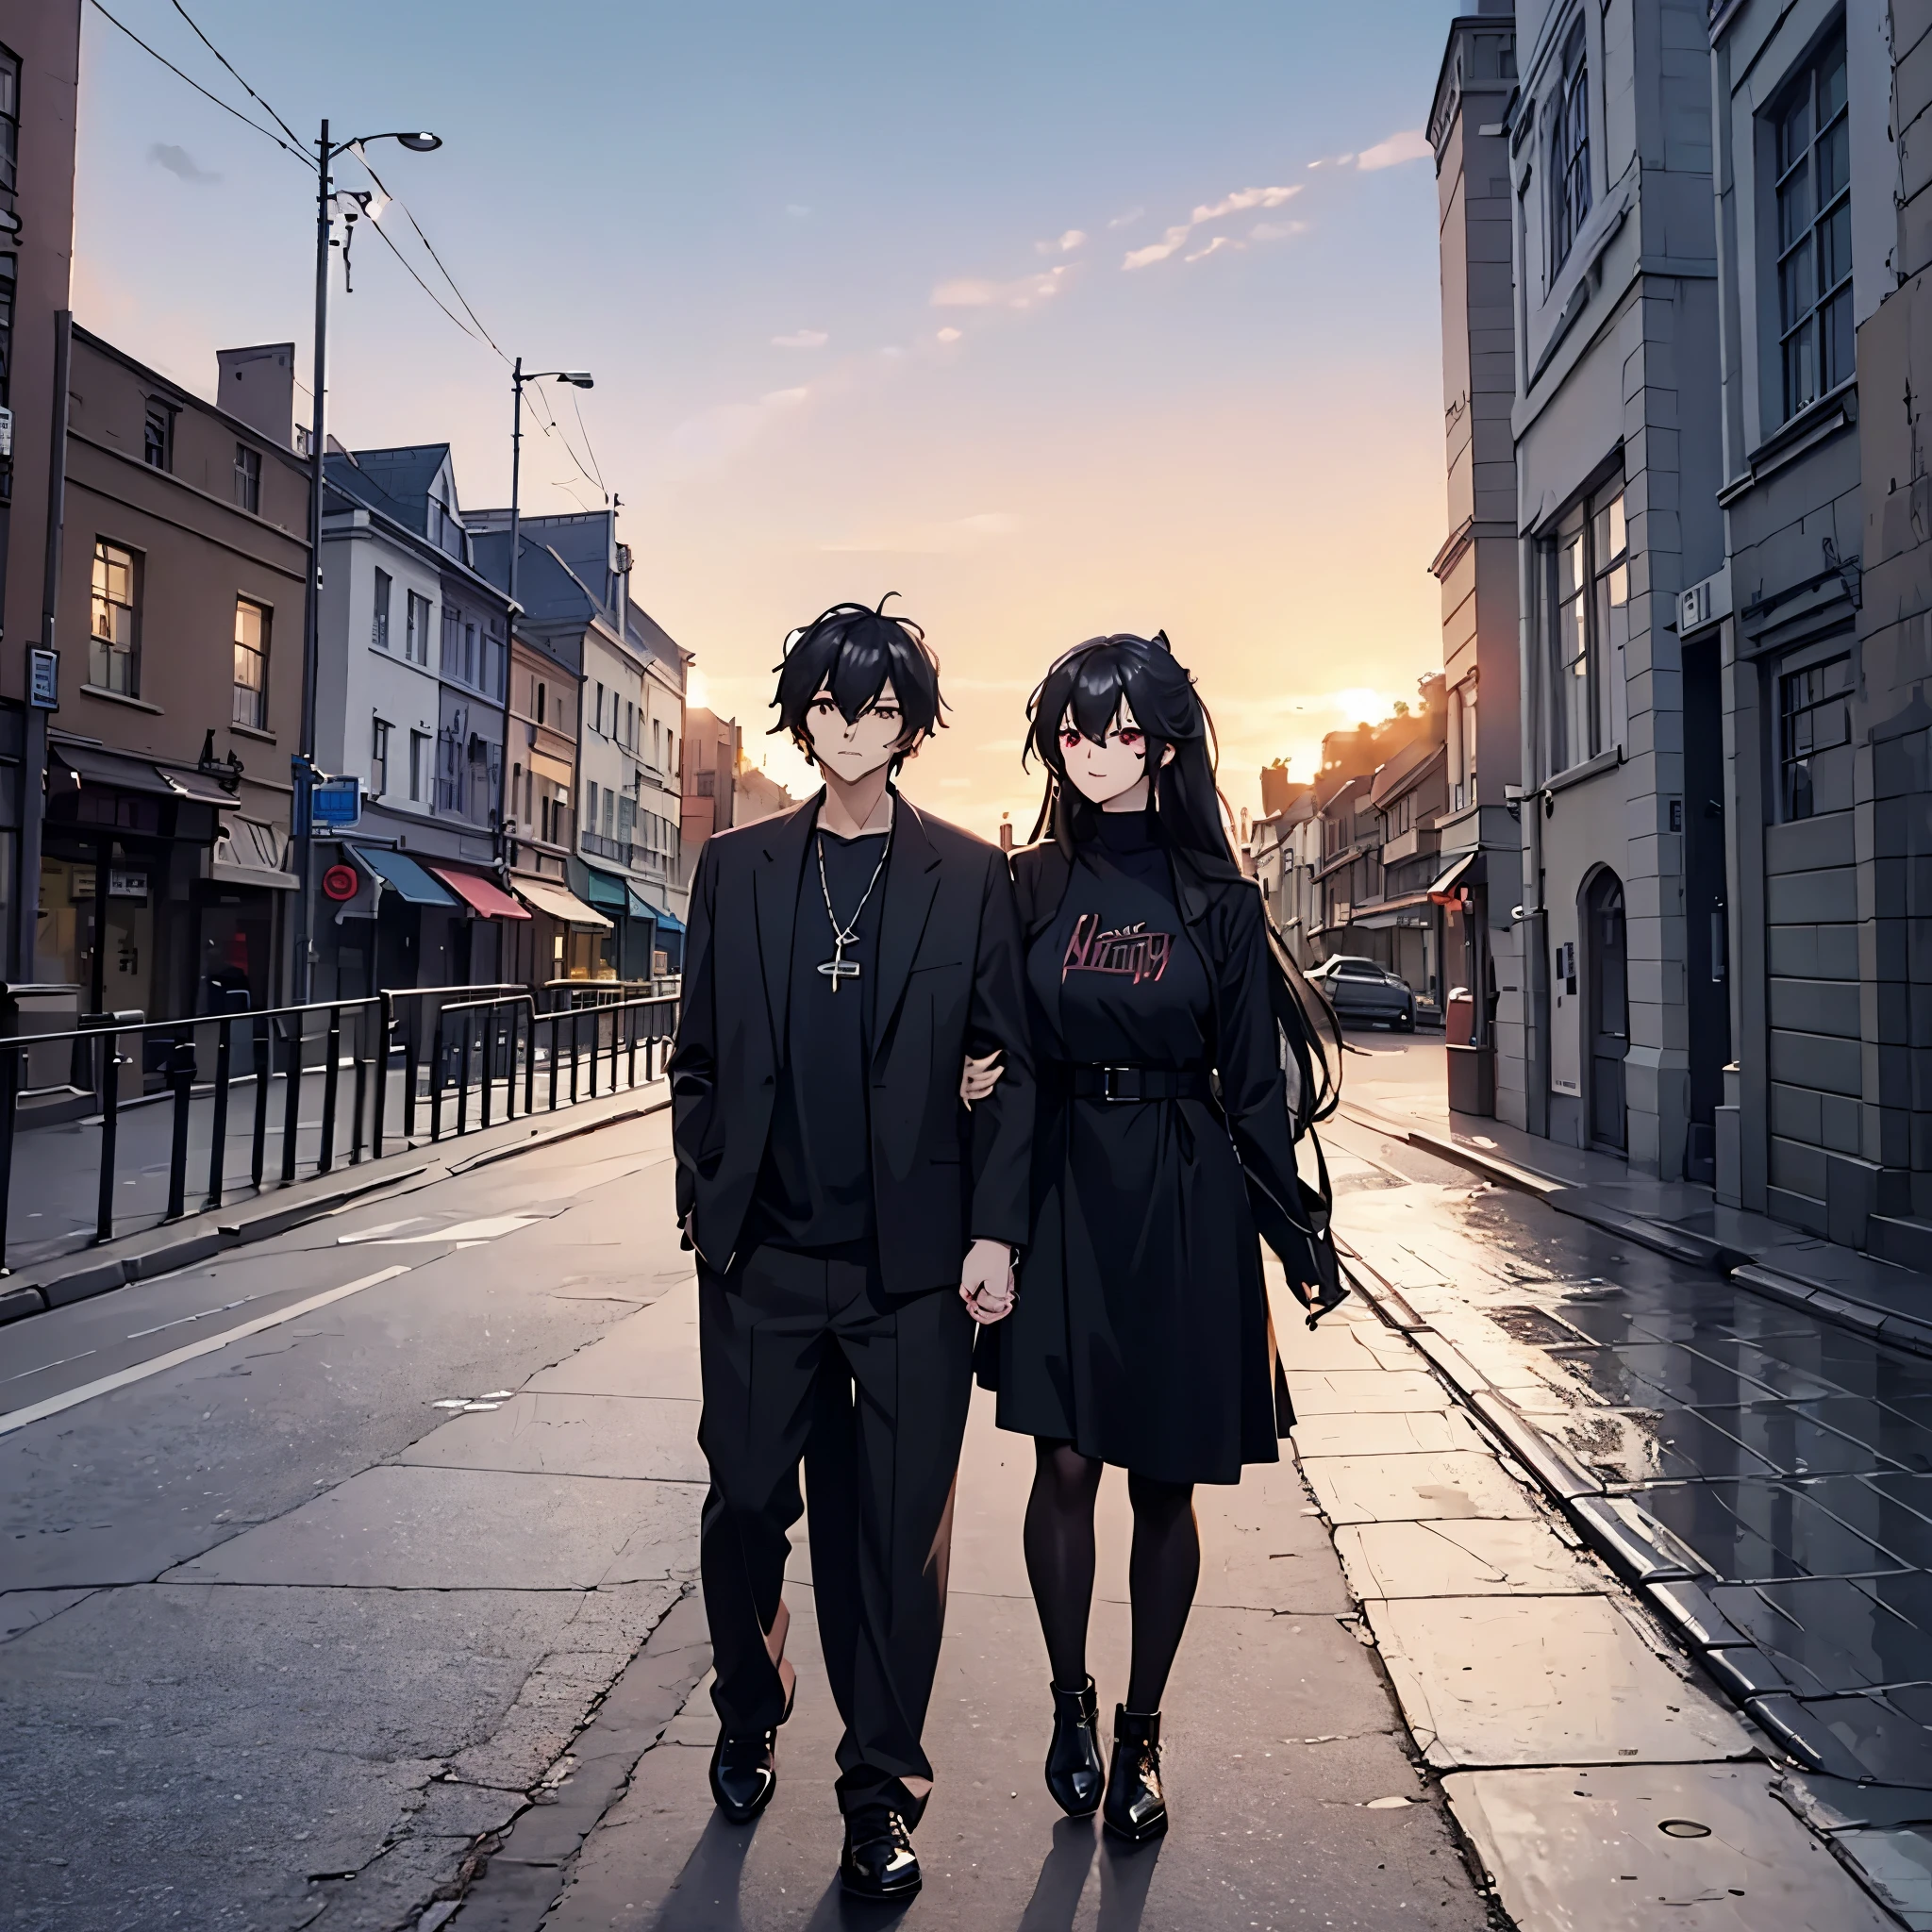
column 1226, row 921
column 950, row 982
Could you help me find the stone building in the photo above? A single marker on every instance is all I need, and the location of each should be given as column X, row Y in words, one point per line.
column 1615, row 439
column 1478, row 838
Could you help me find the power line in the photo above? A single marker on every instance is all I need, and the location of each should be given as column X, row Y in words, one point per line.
column 226, row 107
column 230, row 66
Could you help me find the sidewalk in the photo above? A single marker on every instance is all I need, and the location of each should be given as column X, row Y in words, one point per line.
column 1762, row 1478
column 1678, row 1218
column 1295, row 1798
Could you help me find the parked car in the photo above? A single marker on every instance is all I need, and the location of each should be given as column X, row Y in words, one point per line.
column 1365, row 992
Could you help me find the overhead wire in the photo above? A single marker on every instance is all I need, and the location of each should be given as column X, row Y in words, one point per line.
column 226, row 106
column 474, row 327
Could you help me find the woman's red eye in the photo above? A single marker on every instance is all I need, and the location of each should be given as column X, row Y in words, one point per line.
column 1070, row 739
column 1131, row 738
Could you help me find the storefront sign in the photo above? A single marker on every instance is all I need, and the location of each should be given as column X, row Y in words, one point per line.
column 340, row 882
column 335, row 804
column 43, row 679
column 122, row 883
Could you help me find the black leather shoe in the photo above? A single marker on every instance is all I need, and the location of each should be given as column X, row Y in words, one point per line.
column 1136, row 1810
column 878, row 1860
column 1074, row 1775
column 744, row 1773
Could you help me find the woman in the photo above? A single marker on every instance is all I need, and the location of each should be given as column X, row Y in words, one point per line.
column 1141, row 1334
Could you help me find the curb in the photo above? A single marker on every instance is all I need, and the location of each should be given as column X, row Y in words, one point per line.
column 20, row 1300
column 1665, row 1575
column 1680, row 1244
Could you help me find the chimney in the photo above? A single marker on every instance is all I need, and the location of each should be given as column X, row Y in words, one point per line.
column 258, row 388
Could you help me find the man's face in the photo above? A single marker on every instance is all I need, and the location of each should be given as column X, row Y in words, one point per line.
column 854, row 749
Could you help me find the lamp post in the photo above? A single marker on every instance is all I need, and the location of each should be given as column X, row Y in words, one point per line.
column 303, row 760
column 576, row 379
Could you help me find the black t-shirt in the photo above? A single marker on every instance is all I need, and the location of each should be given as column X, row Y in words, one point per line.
column 815, row 1191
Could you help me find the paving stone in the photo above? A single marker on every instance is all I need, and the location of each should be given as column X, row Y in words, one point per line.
column 1897, row 1865
column 653, row 1353
column 1586, row 1851
column 560, row 1434
column 1801, row 1439
column 1871, row 1735
column 1762, row 1532
column 1265, row 1831
column 1411, row 1432
column 1367, row 1392
column 1452, row 1559
column 1411, row 1489
column 1539, row 1680
column 1825, row 1634
column 393, row 1528
column 22, row 1609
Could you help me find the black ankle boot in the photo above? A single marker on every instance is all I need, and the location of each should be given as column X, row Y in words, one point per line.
column 1074, row 1775
column 1135, row 1807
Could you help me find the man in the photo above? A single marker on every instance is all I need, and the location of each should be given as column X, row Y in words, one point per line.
column 843, row 960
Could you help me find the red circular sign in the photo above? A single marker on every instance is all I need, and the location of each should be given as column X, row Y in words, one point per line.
column 340, row 882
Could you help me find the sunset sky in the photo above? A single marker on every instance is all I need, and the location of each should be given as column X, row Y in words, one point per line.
column 1056, row 317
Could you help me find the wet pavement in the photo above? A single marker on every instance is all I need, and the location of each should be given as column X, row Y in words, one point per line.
column 1765, row 1476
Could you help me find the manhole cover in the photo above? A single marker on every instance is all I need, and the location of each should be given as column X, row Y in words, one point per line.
column 1684, row 1827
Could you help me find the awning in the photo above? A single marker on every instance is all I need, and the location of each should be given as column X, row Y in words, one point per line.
column 400, row 874
column 484, row 897
column 121, row 771
column 640, row 907
column 669, row 921
column 557, row 771
column 249, row 853
column 560, row 904
column 1466, row 869
column 605, row 890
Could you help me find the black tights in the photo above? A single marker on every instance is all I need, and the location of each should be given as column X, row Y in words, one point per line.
column 1161, row 1573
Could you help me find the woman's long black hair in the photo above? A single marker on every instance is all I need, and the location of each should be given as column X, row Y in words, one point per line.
column 1089, row 685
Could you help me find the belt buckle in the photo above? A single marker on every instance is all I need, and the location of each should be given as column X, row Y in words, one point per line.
column 1109, row 1084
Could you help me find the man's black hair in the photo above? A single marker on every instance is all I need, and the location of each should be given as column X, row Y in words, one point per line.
column 853, row 652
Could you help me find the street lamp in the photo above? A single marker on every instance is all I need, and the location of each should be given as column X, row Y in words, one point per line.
column 576, row 378
column 417, row 142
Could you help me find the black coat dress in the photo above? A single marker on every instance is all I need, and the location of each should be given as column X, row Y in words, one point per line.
column 1142, row 1332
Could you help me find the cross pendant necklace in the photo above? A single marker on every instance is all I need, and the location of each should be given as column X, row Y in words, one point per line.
column 838, row 967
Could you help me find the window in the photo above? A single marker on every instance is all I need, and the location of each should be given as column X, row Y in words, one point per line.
column 378, row 757
column 671, row 753
column 492, row 661
column 1569, row 151
column 9, row 268
column 416, row 631
column 591, row 798
column 251, row 664
column 419, row 765
column 378, row 624
column 9, row 120
column 1588, row 594
column 657, row 743
column 157, row 436
column 609, row 811
column 452, row 658
column 538, row 695
column 115, row 650
column 630, row 725
column 1814, row 231
column 1814, row 723
column 598, row 726
column 248, row 477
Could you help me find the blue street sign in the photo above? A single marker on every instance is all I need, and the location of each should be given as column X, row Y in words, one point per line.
column 335, row 804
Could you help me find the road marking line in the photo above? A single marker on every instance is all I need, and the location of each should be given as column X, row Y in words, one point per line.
column 53, row 1405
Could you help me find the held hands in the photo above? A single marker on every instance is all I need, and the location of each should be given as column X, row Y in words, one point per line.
column 977, row 1079
column 986, row 1281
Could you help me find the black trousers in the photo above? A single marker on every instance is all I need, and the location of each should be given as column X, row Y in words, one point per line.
column 805, row 1358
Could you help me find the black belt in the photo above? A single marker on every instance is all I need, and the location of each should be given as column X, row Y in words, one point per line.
column 1085, row 1081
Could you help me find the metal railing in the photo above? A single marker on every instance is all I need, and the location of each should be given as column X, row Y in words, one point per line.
column 351, row 1043
column 561, row 995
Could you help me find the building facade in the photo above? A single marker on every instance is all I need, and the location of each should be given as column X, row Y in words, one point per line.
column 39, row 74
column 1478, row 838
column 163, row 843
column 412, row 673
column 1617, row 458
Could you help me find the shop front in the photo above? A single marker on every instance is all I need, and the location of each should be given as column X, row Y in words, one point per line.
column 124, row 853
column 393, row 930
column 567, row 936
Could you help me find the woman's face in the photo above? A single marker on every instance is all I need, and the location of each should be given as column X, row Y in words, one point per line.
column 1105, row 772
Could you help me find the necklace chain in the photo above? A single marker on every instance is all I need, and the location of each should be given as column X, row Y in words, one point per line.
column 843, row 936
